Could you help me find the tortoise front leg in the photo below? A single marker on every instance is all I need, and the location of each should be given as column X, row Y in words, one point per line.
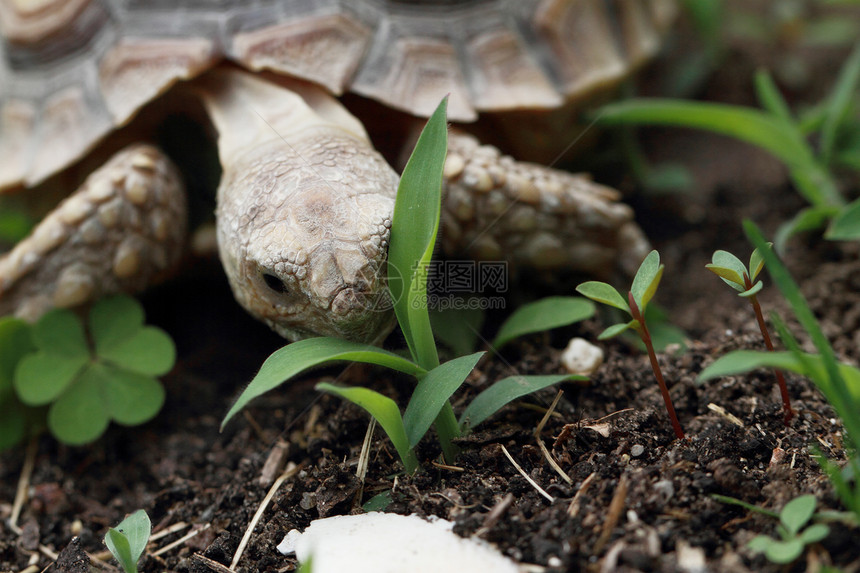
column 121, row 229
column 497, row 208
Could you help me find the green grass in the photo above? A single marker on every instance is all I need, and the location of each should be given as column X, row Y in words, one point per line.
column 813, row 147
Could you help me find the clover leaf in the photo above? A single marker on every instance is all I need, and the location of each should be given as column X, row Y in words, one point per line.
column 86, row 385
column 16, row 419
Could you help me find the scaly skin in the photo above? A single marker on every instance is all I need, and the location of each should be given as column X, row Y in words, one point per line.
column 533, row 216
column 122, row 228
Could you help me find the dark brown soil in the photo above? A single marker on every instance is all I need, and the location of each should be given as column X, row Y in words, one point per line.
column 634, row 499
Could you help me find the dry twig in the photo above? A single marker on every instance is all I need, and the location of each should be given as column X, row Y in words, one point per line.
column 546, row 453
column 725, row 414
column 533, row 483
column 495, row 514
column 573, row 508
column 274, row 463
column 616, row 508
column 292, row 469
column 211, row 563
column 180, row 541
column 23, row 484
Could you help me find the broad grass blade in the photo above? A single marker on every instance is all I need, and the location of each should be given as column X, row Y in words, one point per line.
column 432, row 392
column 413, row 236
column 385, row 411
column 299, row 356
column 507, row 390
column 544, row 314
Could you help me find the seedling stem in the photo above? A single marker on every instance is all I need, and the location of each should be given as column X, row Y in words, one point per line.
column 642, row 329
column 783, row 389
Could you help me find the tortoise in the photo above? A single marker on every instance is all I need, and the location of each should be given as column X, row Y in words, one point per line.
column 305, row 202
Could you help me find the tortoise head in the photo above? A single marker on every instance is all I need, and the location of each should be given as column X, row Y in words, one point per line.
column 303, row 226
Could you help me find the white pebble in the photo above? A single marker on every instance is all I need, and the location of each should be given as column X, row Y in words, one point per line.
column 581, row 357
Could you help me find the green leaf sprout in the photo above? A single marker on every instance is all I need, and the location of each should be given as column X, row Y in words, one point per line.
column 743, row 279
column 840, row 383
column 127, row 540
column 645, row 284
column 794, row 535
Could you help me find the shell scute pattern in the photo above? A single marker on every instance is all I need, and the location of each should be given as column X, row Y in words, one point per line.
column 73, row 71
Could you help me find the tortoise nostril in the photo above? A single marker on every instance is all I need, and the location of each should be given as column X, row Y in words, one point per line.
column 274, row 283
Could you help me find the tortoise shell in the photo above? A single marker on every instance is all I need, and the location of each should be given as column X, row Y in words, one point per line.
column 71, row 71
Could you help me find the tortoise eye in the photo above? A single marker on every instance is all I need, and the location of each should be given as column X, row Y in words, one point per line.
column 274, row 283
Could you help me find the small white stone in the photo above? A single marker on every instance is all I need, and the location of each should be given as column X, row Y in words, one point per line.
column 690, row 559
column 581, row 357
column 665, row 488
column 390, row 543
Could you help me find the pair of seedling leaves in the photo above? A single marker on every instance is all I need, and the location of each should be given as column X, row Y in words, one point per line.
column 727, row 266
column 644, row 286
column 794, row 535
column 127, row 540
column 84, row 379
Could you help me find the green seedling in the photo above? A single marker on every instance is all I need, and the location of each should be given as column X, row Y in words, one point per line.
column 776, row 130
column 640, row 294
column 84, row 379
column 413, row 237
column 127, row 540
column 839, row 383
column 793, row 532
column 743, row 279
